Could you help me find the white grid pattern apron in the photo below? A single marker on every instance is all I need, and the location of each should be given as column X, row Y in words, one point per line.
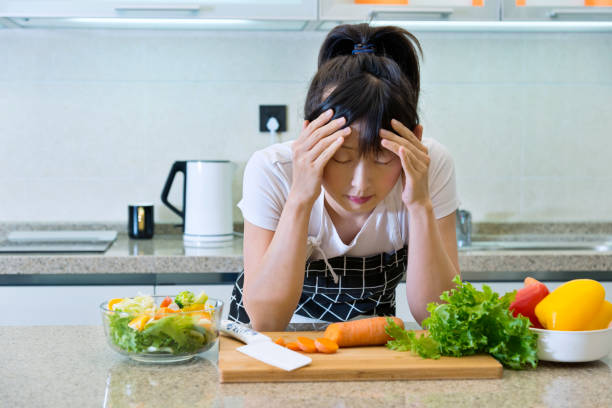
column 342, row 287
column 365, row 287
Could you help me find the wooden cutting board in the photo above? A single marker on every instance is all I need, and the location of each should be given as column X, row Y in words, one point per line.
column 351, row 364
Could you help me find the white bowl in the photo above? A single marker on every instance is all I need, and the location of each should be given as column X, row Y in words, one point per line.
column 573, row 346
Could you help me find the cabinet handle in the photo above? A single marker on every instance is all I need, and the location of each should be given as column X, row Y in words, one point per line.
column 566, row 12
column 154, row 7
column 406, row 14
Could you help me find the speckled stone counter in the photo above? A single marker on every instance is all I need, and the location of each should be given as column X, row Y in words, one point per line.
column 165, row 255
column 72, row 366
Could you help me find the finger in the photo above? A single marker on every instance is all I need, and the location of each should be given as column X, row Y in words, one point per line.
column 415, row 163
column 403, row 153
column 324, row 131
column 305, row 124
column 406, row 163
column 408, row 134
column 329, row 152
column 319, row 121
column 385, row 134
column 326, row 141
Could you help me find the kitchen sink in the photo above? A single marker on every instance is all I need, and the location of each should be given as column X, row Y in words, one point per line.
column 540, row 243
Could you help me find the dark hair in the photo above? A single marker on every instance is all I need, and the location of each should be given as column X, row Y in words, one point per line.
column 369, row 87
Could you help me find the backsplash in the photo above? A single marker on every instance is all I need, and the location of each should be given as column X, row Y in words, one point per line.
column 92, row 120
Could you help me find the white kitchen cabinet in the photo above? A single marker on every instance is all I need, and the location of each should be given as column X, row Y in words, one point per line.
column 402, row 310
column 236, row 9
column 503, row 287
column 557, row 10
column 59, row 305
column 217, row 15
column 222, row 292
column 435, row 10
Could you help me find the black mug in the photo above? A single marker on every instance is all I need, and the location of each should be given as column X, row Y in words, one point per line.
column 140, row 221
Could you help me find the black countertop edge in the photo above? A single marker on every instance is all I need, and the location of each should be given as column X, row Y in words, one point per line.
column 228, row 278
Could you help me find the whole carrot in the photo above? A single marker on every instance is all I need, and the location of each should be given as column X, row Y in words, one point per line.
column 363, row 332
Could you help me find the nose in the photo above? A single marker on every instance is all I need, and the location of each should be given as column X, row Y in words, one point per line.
column 361, row 177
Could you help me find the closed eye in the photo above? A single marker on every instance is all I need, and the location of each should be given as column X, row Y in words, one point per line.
column 341, row 161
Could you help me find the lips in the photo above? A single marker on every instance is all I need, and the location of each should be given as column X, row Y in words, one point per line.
column 359, row 199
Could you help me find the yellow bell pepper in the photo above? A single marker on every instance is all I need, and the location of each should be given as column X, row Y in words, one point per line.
column 575, row 305
column 602, row 319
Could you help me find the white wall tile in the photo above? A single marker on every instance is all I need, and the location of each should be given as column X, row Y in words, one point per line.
column 92, row 120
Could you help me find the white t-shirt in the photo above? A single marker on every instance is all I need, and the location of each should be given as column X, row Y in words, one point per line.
column 267, row 181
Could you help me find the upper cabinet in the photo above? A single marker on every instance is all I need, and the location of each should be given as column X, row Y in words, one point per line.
column 219, row 14
column 411, row 10
column 557, row 10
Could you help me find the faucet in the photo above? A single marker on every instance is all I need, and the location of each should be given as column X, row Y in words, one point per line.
column 463, row 227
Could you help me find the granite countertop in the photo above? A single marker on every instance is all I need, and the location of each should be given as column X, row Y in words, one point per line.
column 166, row 255
column 52, row 366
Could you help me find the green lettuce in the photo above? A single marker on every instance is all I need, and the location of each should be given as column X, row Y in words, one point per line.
column 177, row 334
column 470, row 322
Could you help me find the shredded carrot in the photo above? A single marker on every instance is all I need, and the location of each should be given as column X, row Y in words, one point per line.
column 306, row 345
column 326, row 346
column 363, row 332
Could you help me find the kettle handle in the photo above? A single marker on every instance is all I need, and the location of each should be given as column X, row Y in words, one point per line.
column 178, row 166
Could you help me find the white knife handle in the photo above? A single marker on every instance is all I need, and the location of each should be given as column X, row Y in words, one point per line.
column 243, row 333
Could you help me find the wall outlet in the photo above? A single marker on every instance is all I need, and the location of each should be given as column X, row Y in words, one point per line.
column 278, row 111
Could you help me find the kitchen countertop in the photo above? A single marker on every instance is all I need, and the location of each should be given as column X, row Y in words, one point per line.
column 132, row 261
column 59, row 366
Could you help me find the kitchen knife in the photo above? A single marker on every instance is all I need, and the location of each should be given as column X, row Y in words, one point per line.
column 262, row 348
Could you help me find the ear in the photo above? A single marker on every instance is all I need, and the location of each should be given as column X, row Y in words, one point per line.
column 418, row 132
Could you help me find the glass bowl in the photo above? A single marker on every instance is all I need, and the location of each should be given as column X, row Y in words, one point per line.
column 162, row 337
column 573, row 346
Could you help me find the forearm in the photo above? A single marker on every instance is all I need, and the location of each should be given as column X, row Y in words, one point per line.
column 430, row 269
column 273, row 289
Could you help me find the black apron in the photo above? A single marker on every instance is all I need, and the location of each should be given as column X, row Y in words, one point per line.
column 341, row 288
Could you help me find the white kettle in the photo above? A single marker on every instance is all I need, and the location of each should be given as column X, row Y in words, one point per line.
column 207, row 200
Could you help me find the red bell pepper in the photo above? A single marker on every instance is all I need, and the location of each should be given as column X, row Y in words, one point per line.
column 527, row 298
column 167, row 300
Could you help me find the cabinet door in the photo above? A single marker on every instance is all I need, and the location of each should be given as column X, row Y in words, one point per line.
column 435, row 10
column 59, row 305
column 222, row 292
column 557, row 10
column 237, row 9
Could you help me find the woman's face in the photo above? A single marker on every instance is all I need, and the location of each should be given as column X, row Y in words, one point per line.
column 356, row 184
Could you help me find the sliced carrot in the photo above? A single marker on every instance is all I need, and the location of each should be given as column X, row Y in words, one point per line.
column 306, row 345
column 162, row 311
column 280, row 341
column 112, row 303
column 293, row 346
column 326, row 346
column 363, row 332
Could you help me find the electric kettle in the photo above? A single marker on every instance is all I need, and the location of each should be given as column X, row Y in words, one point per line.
column 207, row 200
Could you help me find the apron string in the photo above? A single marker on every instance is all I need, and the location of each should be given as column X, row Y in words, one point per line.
column 315, row 244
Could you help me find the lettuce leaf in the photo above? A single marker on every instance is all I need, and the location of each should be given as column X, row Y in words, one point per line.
column 470, row 322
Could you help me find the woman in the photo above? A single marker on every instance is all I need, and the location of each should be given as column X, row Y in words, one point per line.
column 335, row 219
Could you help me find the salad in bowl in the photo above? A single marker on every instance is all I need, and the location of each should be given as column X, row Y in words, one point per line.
column 162, row 329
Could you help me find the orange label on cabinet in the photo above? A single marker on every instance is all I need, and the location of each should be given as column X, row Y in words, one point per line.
column 520, row 3
column 598, row 3
column 477, row 3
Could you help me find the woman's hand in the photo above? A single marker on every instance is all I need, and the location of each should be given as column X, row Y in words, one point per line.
column 415, row 162
column 318, row 142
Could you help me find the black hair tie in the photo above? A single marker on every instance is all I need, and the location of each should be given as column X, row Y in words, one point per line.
column 363, row 49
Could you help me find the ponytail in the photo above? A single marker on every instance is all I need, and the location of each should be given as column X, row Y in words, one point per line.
column 389, row 41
